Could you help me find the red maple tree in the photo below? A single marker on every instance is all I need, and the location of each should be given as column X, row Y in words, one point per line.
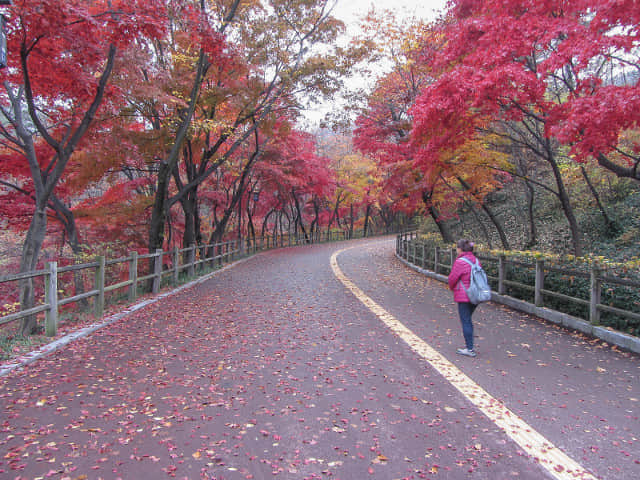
column 61, row 58
column 547, row 74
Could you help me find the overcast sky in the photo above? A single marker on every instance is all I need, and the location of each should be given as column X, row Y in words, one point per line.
column 352, row 11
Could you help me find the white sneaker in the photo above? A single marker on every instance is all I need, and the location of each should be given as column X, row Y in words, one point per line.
column 467, row 352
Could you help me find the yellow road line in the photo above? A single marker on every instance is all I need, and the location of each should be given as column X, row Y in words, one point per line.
column 559, row 465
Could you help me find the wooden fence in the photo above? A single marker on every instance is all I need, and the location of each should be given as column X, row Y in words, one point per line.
column 440, row 260
column 160, row 265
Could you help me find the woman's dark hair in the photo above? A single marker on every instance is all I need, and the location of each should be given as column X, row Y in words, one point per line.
column 465, row 245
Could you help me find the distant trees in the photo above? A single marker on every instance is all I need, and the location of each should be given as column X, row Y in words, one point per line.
column 167, row 122
column 492, row 83
column 546, row 75
column 175, row 122
column 441, row 180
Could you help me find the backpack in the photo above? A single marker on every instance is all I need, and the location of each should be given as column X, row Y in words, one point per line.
column 479, row 290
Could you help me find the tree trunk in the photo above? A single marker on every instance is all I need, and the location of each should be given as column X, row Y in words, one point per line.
column 351, row 220
column 612, row 227
column 28, row 263
column 498, row 226
column 160, row 208
column 264, row 222
column 565, row 203
column 250, row 227
column 158, row 212
column 492, row 217
column 66, row 217
column 366, row 220
column 315, row 223
column 482, row 225
column 388, row 217
column 632, row 171
column 334, row 215
column 44, row 182
column 445, row 232
column 299, row 216
column 188, row 204
column 533, row 232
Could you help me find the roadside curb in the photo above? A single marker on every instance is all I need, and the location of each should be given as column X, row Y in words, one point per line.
column 58, row 344
column 613, row 337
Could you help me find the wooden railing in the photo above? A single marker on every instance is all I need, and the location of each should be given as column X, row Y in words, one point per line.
column 440, row 260
column 185, row 262
column 52, row 301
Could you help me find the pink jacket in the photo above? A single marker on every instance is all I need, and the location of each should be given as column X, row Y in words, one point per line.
column 460, row 274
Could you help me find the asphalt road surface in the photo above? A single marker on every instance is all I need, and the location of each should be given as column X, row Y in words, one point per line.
column 324, row 362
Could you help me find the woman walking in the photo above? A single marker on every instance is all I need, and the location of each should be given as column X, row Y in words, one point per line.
column 459, row 280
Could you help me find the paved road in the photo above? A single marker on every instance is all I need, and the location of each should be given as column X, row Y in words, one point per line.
column 274, row 369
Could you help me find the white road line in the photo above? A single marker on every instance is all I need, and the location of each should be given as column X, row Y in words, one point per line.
column 554, row 460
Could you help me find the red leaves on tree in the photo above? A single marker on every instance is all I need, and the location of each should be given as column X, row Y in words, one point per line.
column 570, row 64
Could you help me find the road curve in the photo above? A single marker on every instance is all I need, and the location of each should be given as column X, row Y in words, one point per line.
column 274, row 369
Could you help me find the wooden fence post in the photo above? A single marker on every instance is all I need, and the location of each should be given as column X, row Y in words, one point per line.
column 217, row 253
column 501, row 274
column 595, row 297
column 99, row 305
column 157, row 271
column 51, row 297
column 133, row 276
column 538, row 300
column 424, row 256
column 176, row 265
column 436, row 260
column 192, row 260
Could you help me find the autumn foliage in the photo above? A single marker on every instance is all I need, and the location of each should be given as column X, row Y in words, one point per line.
column 492, row 87
column 151, row 124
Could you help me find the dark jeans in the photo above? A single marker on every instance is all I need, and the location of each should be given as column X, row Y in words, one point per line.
column 465, row 310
